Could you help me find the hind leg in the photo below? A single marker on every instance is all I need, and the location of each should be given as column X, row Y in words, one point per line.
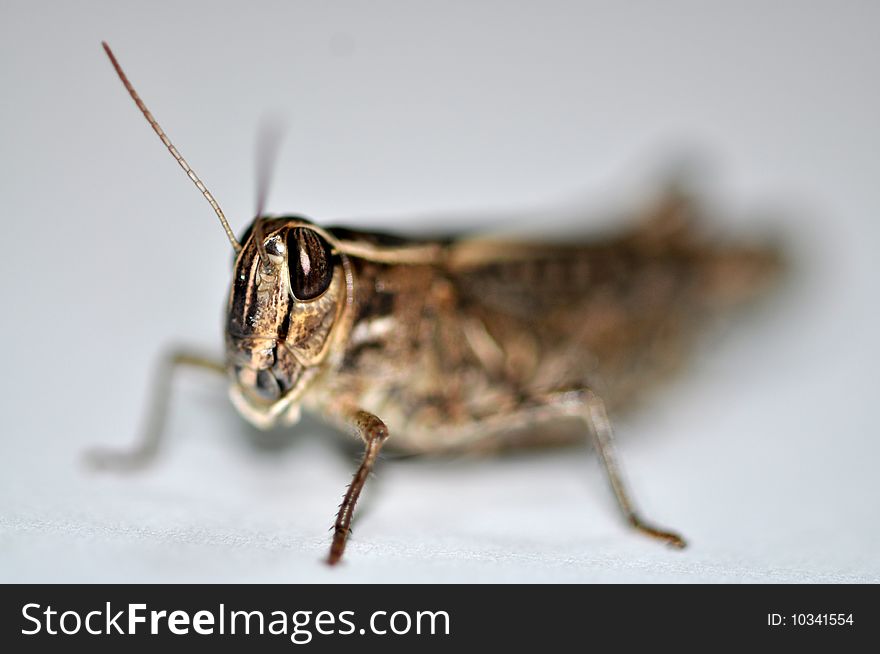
column 585, row 405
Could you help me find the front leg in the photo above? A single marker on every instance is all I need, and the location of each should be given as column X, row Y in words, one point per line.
column 374, row 433
column 145, row 450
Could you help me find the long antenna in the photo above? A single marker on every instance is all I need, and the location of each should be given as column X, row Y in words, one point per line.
column 269, row 138
column 268, row 141
column 174, row 153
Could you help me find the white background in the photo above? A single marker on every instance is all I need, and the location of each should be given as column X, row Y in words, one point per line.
column 765, row 455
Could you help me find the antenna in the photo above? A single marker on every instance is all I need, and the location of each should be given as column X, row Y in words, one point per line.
column 174, row 153
column 268, row 141
column 269, row 138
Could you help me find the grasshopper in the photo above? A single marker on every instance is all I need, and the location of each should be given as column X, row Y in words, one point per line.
column 459, row 345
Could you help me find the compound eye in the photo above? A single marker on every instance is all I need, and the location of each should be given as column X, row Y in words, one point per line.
column 310, row 262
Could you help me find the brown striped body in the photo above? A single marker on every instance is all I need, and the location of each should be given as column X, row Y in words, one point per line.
column 444, row 349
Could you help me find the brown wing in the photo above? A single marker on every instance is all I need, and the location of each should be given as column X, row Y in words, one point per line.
column 618, row 315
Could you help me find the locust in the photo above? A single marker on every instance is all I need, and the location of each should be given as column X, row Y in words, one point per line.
column 460, row 344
